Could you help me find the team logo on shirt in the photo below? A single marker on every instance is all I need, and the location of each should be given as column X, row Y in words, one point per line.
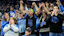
column 54, row 19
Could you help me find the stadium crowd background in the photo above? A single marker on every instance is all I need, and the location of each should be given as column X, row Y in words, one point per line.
column 13, row 8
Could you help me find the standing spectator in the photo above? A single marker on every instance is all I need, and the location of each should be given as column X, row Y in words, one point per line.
column 55, row 21
column 62, row 10
column 44, row 26
column 11, row 29
column 30, row 17
column 4, row 22
column 21, row 23
column 12, row 12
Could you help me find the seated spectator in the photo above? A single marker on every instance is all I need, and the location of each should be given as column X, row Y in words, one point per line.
column 11, row 29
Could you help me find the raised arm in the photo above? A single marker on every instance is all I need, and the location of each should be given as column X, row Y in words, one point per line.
column 43, row 5
column 37, row 9
column 21, row 7
column 60, row 5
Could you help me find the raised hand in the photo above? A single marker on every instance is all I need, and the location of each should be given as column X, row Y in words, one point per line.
column 43, row 5
column 58, row 2
column 40, row 5
column 33, row 3
column 21, row 2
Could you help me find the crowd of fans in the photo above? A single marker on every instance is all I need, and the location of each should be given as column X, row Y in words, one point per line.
column 31, row 19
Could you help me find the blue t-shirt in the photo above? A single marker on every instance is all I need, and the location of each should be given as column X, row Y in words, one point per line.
column 21, row 21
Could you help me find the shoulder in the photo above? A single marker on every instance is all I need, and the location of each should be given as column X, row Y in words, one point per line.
column 6, row 25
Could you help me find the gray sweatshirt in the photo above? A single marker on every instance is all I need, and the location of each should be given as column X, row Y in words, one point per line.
column 11, row 30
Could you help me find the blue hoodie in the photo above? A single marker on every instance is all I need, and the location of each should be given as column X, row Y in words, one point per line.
column 3, row 23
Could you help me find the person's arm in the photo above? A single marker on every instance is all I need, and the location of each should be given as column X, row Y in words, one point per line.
column 3, row 24
column 6, row 28
column 60, row 5
column 45, row 9
column 15, row 28
column 61, row 8
column 37, row 9
column 21, row 7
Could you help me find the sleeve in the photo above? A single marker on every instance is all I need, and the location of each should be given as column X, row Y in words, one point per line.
column 25, row 16
column 15, row 28
column 6, row 28
column 34, row 10
column 47, row 18
column 3, row 24
column 61, row 8
column 37, row 23
column 35, row 16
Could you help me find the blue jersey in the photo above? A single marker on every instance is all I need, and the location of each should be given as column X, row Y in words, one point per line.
column 12, row 13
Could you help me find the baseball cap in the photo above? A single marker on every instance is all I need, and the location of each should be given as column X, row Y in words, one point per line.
column 29, row 29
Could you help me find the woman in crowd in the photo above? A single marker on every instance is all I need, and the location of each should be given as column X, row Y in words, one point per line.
column 11, row 29
column 4, row 22
column 44, row 26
